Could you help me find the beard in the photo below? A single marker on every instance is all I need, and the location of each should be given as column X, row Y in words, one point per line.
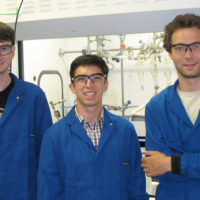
column 188, row 75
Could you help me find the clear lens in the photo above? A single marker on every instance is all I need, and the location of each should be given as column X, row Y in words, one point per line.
column 180, row 48
column 196, row 47
column 5, row 50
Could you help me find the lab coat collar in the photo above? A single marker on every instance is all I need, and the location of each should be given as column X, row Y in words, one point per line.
column 107, row 129
column 176, row 105
column 14, row 99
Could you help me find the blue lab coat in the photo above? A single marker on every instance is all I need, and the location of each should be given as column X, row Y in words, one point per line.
column 25, row 118
column 169, row 130
column 71, row 168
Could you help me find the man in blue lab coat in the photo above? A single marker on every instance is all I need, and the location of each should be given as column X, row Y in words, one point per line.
column 24, row 116
column 91, row 153
column 172, row 117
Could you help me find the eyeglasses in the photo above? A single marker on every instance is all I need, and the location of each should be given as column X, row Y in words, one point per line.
column 95, row 78
column 181, row 49
column 5, row 49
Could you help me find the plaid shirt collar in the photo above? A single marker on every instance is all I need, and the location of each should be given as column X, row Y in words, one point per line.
column 93, row 130
column 83, row 121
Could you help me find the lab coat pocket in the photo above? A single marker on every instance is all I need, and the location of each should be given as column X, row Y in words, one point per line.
column 124, row 174
column 32, row 147
column 32, row 142
column 124, row 169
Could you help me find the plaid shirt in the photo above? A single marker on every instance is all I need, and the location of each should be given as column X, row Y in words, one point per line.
column 93, row 130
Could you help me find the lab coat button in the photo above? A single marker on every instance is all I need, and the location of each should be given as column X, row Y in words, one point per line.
column 17, row 97
column 110, row 124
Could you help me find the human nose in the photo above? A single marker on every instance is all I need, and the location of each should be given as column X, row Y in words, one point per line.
column 89, row 81
column 188, row 52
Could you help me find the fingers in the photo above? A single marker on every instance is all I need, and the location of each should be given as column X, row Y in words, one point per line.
column 153, row 163
column 150, row 153
column 147, row 171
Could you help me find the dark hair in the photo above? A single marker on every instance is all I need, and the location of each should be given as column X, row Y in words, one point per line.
column 7, row 33
column 88, row 60
column 179, row 22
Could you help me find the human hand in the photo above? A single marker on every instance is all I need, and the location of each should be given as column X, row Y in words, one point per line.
column 156, row 163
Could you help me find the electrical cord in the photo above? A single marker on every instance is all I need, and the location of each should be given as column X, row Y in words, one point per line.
column 15, row 28
column 16, row 20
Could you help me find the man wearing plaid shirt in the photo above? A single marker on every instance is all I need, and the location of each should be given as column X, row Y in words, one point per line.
column 90, row 154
